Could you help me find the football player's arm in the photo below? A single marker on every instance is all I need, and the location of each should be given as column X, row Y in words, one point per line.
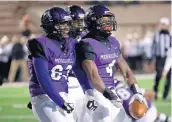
column 126, row 71
column 153, row 46
column 40, row 65
column 168, row 63
column 86, row 56
column 131, row 80
column 92, row 72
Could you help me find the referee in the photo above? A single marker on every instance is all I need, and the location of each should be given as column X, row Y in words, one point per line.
column 161, row 42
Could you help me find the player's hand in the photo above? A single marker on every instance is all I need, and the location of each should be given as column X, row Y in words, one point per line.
column 140, row 98
column 137, row 94
column 113, row 97
column 29, row 105
column 68, row 107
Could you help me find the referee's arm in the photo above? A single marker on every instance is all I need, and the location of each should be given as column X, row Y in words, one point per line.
column 168, row 63
column 154, row 47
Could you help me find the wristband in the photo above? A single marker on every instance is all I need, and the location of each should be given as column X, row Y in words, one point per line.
column 109, row 94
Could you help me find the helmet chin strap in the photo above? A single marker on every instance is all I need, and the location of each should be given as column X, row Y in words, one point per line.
column 104, row 32
column 101, row 33
column 56, row 36
column 75, row 33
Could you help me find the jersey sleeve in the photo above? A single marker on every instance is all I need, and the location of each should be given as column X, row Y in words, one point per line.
column 36, row 49
column 168, row 62
column 43, row 76
column 84, row 51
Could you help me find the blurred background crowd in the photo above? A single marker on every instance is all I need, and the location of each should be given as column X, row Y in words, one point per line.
column 137, row 23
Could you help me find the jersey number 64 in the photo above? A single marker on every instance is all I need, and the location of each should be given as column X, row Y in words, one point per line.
column 59, row 72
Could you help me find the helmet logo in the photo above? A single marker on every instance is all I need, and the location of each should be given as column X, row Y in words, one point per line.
column 81, row 15
column 49, row 16
column 107, row 12
column 67, row 18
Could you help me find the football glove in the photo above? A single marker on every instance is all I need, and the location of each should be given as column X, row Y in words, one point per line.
column 68, row 107
column 113, row 97
column 137, row 94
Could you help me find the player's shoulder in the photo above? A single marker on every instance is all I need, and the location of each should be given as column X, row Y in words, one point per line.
column 88, row 37
column 114, row 41
column 34, row 45
column 88, row 40
column 83, row 46
column 34, row 42
column 112, row 38
column 73, row 41
column 36, row 48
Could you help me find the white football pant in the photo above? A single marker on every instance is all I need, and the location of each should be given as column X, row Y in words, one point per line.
column 75, row 93
column 46, row 110
column 105, row 112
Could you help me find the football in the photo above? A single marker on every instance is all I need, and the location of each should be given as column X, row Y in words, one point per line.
column 137, row 109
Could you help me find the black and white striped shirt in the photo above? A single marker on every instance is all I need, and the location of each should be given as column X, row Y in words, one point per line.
column 162, row 40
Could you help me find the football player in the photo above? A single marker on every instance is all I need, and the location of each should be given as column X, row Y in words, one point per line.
column 97, row 53
column 77, row 24
column 50, row 60
column 152, row 114
column 76, row 31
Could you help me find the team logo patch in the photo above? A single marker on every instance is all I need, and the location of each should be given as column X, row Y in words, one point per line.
column 92, row 105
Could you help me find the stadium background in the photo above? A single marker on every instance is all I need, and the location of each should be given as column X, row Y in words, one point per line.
column 134, row 18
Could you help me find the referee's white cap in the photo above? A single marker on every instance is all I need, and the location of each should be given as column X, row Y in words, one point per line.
column 165, row 21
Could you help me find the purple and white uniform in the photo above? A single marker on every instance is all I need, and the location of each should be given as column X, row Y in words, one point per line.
column 105, row 55
column 126, row 94
column 50, row 62
column 59, row 63
column 104, row 52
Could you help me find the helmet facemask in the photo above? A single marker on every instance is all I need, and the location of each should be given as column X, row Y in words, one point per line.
column 77, row 26
column 106, row 24
column 61, row 30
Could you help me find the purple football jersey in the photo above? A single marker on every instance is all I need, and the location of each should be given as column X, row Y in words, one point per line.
column 106, row 56
column 59, row 64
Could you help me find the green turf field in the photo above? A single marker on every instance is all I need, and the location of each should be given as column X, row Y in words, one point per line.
column 13, row 103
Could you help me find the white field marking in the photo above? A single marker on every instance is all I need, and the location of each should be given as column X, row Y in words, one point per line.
column 13, row 96
column 164, row 104
column 19, row 105
column 17, row 117
column 14, row 105
column 15, row 85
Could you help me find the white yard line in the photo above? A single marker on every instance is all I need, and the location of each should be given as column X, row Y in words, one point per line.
column 26, row 84
column 17, row 117
column 164, row 104
column 14, row 105
column 14, row 96
column 19, row 106
column 15, row 85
